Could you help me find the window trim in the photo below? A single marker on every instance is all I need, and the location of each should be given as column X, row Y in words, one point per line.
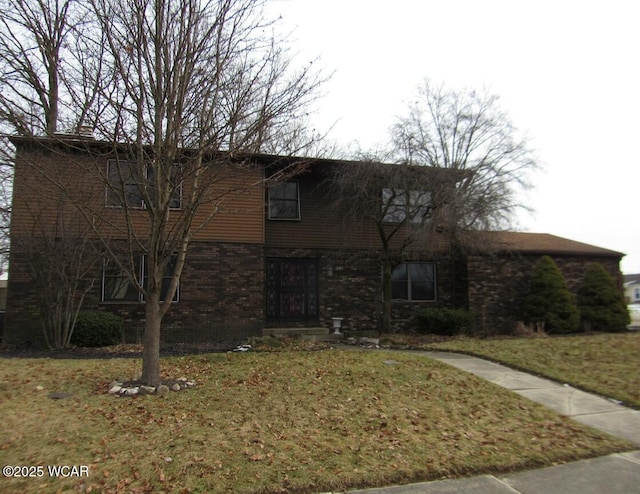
column 297, row 200
column 408, row 281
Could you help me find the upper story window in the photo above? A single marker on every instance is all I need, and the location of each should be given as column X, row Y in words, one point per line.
column 123, row 187
column 175, row 201
column 284, row 201
column 125, row 181
column 413, row 206
column 414, row 281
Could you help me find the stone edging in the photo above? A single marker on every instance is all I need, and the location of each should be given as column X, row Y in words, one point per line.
column 133, row 389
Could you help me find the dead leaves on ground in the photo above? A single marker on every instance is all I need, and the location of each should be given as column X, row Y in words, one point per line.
column 298, row 421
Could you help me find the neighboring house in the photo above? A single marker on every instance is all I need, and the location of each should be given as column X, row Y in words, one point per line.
column 632, row 288
column 279, row 257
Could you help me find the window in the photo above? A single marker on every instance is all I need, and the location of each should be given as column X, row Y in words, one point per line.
column 117, row 287
column 175, row 201
column 166, row 279
column 414, row 281
column 400, row 205
column 123, row 180
column 284, row 201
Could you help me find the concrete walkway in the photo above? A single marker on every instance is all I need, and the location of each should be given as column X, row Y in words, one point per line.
column 613, row 474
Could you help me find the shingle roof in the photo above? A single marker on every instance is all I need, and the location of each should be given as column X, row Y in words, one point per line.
column 544, row 243
column 631, row 279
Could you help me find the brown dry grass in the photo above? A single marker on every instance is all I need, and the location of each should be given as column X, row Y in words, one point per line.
column 274, row 422
column 607, row 364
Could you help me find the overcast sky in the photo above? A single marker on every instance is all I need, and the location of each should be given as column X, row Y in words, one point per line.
column 567, row 72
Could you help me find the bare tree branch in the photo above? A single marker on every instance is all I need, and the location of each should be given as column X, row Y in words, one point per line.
column 466, row 130
column 183, row 90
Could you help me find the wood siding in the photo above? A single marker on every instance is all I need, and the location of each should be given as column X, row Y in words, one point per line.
column 323, row 226
column 44, row 177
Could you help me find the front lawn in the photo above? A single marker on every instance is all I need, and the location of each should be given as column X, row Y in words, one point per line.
column 273, row 423
column 607, row 364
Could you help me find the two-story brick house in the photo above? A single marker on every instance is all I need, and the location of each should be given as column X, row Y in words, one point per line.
column 273, row 256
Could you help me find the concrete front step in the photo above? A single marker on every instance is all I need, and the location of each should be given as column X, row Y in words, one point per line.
column 293, row 331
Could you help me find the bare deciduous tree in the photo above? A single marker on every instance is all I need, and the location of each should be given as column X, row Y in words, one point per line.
column 37, row 42
column 403, row 204
column 190, row 78
column 32, row 38
column 184, row 89
column 459, row 167
column 466, row 130
column 62, row 264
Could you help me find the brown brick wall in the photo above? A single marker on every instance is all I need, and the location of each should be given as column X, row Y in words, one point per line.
column 221, row 298
column 222, row 294
column 350, row 287
column 498, row 285
column 22, row 318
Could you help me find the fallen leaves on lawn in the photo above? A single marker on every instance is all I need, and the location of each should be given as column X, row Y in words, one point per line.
column 277, row 422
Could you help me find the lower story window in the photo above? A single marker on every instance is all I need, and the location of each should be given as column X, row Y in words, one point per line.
column 117, row 286
column 414, row 281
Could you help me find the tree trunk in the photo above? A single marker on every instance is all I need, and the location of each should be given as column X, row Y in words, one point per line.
column 151, row 341
column 386, row 297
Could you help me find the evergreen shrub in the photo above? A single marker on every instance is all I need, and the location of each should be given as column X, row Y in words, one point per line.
column 96, row 328
column 601, row 302
column 444, row 321
column 549, row 305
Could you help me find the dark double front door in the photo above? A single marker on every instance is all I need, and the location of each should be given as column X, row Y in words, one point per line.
column 292, row 289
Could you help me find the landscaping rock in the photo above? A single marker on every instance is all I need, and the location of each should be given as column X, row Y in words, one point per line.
column 131, row 391
column 115, row 389
column 242, row 348
column 370, row 342
column 133, row 388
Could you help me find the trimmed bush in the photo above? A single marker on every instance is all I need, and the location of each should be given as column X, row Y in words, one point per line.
column 601, row 302
column 444, row 321
column 94, row 329
column 549, row 305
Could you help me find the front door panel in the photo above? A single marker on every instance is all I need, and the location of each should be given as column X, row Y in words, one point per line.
column 292, row 289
